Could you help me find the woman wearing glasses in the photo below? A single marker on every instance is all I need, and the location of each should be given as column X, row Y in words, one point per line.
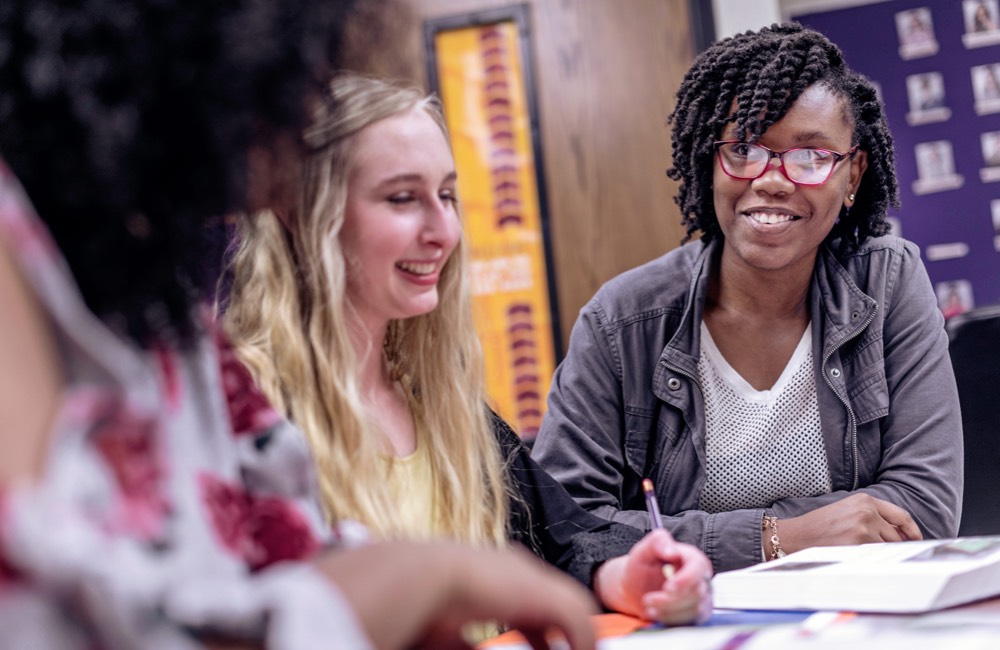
column 785, row 380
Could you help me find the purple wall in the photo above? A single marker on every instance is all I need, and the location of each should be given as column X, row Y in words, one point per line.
column 935, row 213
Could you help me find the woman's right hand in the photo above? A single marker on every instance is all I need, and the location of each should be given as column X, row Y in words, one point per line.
column 857, row 519
column 408, row 594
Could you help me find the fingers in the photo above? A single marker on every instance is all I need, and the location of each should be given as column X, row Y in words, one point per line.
column 884, row 521
column 904, row 528
column 856, row 519
column 579, row 632
column 532, row 597
column 429, row 590
column 660, row 546
column 685, row 597
column 693, row 561
column 579, row 637
column 680, row 604
column 536, row 639
column 693, row 574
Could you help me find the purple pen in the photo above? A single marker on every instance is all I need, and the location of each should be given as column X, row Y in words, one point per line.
column 651, row 506
column 654, row 519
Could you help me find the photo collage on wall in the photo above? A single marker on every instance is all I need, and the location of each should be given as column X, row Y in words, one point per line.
column 928, row 103
column 936, row 67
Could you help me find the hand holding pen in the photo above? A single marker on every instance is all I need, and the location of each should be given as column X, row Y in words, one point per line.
column 685, row 592
column 660, row 579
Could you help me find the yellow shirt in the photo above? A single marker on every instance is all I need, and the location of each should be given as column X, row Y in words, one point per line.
column 411, row 486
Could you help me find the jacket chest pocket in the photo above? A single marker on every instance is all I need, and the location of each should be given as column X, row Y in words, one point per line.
column 650, row 439
column 864, row 375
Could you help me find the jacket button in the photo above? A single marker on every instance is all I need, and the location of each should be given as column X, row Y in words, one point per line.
column 835, row 372
column 673, row 383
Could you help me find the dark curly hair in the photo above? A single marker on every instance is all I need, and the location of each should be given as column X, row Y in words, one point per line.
column 128, row 123
column 765, row 72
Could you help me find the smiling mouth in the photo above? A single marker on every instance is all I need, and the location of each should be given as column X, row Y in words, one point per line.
column 772, row 218
column 415, row 268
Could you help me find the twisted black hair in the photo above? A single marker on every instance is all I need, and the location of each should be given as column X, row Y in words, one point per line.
column 128, row 123
column 764, row 72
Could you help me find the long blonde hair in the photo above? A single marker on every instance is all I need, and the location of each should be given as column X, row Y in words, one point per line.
column 289, row 317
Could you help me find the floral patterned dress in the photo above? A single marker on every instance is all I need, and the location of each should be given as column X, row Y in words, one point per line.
column 172, row 495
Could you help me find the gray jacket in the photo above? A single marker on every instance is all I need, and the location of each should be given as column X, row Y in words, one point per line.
column 625, row 403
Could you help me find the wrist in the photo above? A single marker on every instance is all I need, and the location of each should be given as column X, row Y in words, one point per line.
column 609, row 586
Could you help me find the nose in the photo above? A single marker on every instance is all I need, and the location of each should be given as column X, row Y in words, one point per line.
column 441, row 224
column 774, row 180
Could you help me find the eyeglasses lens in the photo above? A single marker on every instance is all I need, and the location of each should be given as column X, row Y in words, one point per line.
column 806, row 166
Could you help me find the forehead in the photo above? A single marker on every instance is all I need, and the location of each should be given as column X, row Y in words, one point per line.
column 412, row 138
column 819, row 113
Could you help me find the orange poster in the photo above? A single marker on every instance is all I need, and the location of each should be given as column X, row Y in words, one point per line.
column 482, row 87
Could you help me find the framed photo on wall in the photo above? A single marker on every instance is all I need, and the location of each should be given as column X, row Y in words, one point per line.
column 915, row 29
column 954, row 297
column 986, row 88
column 925, row 92
column 936, row 168
column 989, row 142
column 981, row 23
column 481, row 66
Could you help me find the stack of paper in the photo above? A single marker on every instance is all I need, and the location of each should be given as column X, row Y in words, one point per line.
column 904, row 577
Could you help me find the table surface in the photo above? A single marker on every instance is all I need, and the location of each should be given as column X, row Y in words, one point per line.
column 976, row 625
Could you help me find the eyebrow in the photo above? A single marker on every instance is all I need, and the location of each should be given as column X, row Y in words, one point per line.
column 811, row 135
column 798, row 138
column 409, row 178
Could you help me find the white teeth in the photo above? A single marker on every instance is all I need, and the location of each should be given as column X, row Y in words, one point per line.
column 416, row 268
column 768, row 217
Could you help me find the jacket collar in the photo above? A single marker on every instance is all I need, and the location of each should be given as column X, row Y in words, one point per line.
column 838, row 307
column 681, row 352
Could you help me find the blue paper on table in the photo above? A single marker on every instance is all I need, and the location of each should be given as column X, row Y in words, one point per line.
column 746, row 617
column 756, row 617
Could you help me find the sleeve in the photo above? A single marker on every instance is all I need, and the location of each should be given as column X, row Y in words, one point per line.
column 87, row 585
column 918, row 450
column 581, row 440
column 546, row 519
column 119, row 546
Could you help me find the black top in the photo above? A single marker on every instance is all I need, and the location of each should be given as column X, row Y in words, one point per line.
column 546, row 519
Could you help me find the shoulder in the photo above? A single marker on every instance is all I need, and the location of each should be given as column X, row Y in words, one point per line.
column 510, row 443
column 875, row 249
column 889, row 270
column 658, row 287
column 880, row 260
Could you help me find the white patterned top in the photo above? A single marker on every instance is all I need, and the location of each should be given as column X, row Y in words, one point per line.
column 760, row 445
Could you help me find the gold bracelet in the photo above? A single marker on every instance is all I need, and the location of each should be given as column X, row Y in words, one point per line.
column 776, row 550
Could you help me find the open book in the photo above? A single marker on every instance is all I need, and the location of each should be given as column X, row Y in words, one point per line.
column 903, row 577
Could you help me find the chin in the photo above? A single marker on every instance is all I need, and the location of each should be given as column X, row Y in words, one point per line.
column 421, row 308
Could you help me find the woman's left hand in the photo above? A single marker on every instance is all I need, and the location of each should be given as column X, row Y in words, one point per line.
column 637, row 584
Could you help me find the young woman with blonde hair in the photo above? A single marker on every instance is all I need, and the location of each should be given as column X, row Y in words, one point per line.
column 352, row 311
